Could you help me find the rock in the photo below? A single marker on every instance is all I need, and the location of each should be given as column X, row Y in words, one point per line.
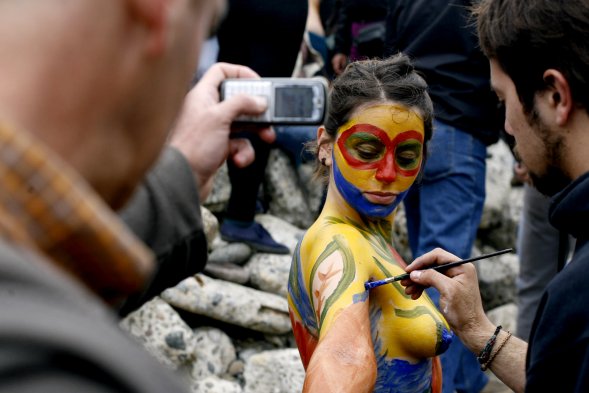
column 281, row 231
column 236, row 368
column 217, row 200
column 287, row 197
column 210, row 225
column 498, row 184
column 269, row 272
column 279, row 371
column 248, row 347
column 228, row 272
column 214, row 352
column 497, row 279
column 163, row 333
column 231, row 303
column 315, row 188
column 505, row 316
column 235, row 253
column 214, row 384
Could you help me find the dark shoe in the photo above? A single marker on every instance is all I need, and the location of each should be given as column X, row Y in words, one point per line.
column 252, row 234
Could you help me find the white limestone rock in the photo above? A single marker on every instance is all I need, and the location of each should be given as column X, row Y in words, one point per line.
column 269, row 272
column 279, row 371
column 231, row 303
column 214, row 352
column 163, row 333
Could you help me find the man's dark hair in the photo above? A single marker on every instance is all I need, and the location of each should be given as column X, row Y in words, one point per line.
column 527, row 37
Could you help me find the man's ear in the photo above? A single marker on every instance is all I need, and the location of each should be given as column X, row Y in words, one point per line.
column 559, row 95
column 152, row 14
column 325, row 146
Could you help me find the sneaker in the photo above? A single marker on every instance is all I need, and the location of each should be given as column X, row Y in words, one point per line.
column 253, row 234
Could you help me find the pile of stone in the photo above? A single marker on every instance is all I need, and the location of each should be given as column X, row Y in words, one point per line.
column 228, row 329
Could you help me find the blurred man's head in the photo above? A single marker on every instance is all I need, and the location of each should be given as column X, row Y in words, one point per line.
column 101, row 82
column 540, row 68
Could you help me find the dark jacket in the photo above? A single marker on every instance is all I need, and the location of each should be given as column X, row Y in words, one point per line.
column 441, row 39
column 265, row 35
column 56, row 336
column 165, row 214
column 558, row 353
column 355, row 11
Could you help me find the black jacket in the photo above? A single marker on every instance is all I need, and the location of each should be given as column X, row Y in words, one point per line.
column 440, row 38
column 263, row 35
column 355, row 11
column 558, row 354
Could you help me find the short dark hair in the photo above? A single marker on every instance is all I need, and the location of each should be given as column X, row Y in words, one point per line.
column 372, row 81
column 527, row 37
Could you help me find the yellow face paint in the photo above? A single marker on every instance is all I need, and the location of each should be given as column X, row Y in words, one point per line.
column 377, row 157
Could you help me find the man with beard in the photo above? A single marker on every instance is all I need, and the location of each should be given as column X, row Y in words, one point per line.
column 539, row 56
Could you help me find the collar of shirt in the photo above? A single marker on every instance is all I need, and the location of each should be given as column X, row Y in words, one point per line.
column 47, row 206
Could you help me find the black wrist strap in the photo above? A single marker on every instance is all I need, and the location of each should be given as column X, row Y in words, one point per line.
column 485, row 354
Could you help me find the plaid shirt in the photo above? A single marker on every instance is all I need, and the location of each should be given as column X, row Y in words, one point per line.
column 46, row 206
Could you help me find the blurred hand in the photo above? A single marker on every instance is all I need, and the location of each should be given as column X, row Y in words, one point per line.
column 460, row 300
column 339, row 63
column 202, row 132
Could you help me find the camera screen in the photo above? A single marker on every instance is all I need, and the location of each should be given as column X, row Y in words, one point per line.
column 293, row 101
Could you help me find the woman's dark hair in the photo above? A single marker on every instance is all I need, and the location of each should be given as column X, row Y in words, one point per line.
column 528, row 37
column 371, row 81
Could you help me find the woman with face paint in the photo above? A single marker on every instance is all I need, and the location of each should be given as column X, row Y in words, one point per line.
column 372, row 147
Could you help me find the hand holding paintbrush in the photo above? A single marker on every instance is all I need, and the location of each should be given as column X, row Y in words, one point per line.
column 440, row 268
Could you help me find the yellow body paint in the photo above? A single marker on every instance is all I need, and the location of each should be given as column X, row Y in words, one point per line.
column 378, row 151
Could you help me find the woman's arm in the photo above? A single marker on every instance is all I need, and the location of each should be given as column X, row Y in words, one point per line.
column 344, row 359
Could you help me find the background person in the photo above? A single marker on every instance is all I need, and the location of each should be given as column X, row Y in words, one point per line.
column 445, row 209
column 265, row 35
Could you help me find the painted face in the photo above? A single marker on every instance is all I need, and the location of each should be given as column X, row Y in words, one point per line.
column 377, row 156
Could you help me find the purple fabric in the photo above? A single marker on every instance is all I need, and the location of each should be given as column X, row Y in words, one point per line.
column 356, row 27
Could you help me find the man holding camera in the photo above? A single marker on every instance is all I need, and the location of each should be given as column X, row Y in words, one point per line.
column 89, row 93
column 539, row 56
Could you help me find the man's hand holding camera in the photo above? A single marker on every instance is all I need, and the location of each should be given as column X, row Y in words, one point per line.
column 202, row 132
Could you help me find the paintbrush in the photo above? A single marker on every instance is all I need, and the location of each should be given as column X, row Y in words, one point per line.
column 439, row 268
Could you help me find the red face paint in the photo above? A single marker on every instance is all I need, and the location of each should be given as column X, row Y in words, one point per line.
column 365, row 147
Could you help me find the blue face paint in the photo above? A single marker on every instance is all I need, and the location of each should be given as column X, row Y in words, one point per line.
column 355, row 199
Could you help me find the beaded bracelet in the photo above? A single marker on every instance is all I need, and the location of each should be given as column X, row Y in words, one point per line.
column 486, row 352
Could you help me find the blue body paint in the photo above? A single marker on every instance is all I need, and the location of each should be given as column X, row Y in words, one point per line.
column 356, row 200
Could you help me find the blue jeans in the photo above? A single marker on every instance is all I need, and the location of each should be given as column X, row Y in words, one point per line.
column 445, row 211
column 292, row 139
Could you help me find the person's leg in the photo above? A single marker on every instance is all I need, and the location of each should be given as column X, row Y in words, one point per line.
column 292, row 140
column 537, row 248
column 449, row 206
column 238, row 224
